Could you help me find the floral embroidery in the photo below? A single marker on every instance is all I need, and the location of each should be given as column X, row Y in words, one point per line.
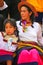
column 7, row 37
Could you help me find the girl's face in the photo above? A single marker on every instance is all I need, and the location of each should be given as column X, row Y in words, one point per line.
column 9, row 29
column 25, row 14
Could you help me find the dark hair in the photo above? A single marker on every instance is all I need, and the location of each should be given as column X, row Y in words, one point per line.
column 1, row 22
column 13, row 23
column 29, row 9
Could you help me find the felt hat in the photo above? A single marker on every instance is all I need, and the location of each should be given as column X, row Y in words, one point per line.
column 24, row 2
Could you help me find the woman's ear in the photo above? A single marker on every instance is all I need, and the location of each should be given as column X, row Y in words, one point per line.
column 30, row 13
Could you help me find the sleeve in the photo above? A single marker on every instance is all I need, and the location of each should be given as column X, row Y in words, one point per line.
column 39, row 35
column 1, row 37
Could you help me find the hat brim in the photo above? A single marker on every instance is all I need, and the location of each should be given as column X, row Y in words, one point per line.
column 27, row 4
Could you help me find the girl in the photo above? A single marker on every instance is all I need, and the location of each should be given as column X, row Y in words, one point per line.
column 8, row 41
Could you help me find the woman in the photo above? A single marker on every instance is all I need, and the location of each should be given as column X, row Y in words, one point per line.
column 29, row 34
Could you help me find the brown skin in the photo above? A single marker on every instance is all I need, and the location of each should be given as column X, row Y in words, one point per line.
column 9, row 29
column 25, row 15
column 9, row 62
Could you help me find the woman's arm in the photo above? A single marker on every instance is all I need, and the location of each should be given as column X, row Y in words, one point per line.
column 39, row 35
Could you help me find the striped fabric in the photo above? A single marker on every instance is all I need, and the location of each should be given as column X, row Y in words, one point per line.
column 31, row 63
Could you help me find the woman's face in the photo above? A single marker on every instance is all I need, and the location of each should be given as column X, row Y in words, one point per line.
column 24, row 13
column 9, row 29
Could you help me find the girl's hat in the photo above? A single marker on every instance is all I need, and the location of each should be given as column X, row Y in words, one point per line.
column 23, row 2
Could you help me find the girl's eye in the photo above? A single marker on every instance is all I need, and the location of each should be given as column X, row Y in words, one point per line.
column 10, row 27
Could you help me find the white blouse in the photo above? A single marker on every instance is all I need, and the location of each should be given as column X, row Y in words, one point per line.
column 31, row 34
column 8, row 46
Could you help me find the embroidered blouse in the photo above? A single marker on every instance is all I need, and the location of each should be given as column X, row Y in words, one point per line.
column 8, row 42
column 31, row 33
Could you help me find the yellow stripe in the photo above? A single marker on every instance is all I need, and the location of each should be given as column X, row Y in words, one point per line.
column 35, row 46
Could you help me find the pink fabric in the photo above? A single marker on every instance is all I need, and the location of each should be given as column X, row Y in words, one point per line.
column 29, row 56
column 3, row 52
